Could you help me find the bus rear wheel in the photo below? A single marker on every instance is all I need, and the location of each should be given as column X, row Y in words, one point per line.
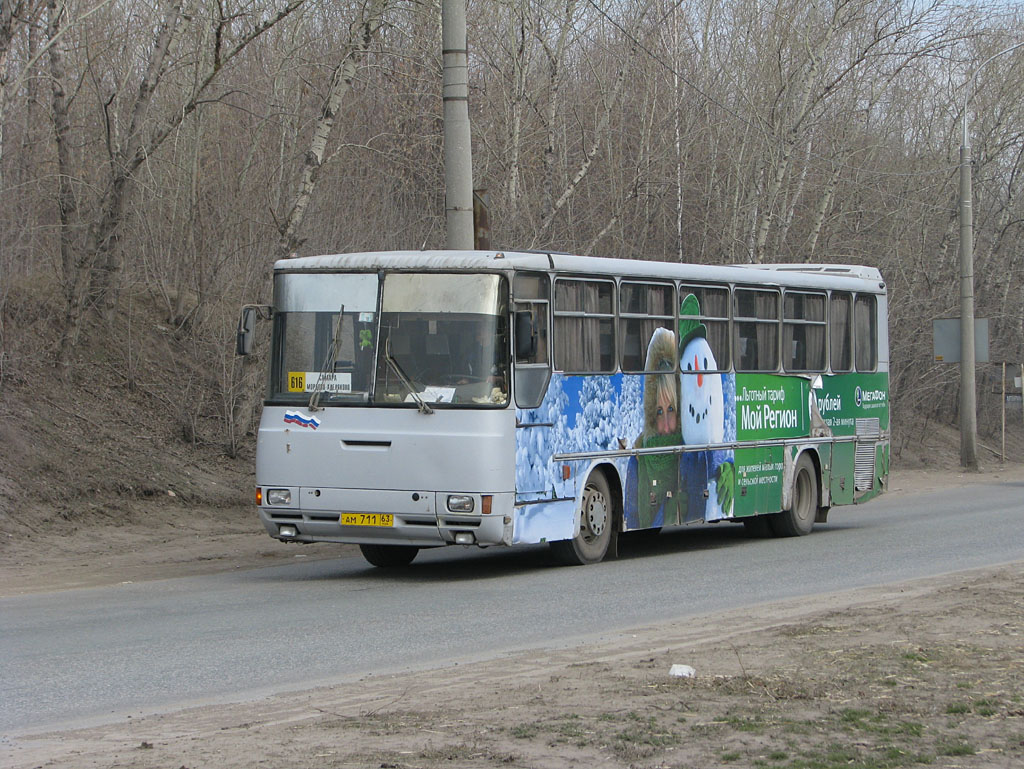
column 389, row 556
column 597, row 522
column 799, row 519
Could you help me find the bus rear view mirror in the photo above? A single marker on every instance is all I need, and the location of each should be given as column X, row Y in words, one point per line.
column 247, row 326
column 526, row 336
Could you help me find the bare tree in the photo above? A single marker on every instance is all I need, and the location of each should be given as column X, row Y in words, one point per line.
column 361, row 37
column 128, row 150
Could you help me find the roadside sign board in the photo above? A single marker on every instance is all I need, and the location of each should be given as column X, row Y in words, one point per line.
column 946, row 336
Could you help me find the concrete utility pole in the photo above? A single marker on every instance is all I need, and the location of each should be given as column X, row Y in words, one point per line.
column 968, row 396
column 458, row 157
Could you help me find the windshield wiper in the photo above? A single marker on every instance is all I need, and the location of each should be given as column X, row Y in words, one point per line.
column 328, row 365
column 424, row 408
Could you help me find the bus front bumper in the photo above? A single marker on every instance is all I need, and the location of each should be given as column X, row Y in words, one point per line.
column 421, row 519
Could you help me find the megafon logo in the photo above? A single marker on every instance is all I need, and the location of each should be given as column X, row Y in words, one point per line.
column 300, row 419
column 861, row 397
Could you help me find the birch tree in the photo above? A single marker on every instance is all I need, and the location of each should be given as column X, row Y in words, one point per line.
column 362, row 35
column 144, row 133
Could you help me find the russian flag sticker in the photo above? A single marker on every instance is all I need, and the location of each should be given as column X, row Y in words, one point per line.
column 300, row 419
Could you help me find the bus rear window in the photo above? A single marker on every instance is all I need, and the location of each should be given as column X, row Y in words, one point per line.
column 866, row 332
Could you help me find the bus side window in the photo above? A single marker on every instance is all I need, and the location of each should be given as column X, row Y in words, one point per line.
column 803, row 331
column 865, row 332
column 840, row 332
column 643, row 307
column 756, row 328
column 530, row 345
column 708, row 307
column 584, row 326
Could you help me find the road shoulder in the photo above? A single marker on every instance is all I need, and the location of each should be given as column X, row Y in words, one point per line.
column 924, row 671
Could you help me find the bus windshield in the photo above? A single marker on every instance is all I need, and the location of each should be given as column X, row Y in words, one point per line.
column 439, row 338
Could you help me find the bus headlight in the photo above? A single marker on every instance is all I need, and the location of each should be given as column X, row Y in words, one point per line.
column 279, row 497
column 460, row 503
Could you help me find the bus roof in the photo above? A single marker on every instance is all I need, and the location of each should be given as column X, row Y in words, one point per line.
column 848, row 277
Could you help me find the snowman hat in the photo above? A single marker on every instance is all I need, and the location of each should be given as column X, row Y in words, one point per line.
column 689, row 325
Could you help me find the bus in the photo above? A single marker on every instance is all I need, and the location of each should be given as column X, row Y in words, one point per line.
column 419, row 399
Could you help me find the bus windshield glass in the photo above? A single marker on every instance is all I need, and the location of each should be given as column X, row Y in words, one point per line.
column 355, row 339
column 324, row 338
column 443, row 339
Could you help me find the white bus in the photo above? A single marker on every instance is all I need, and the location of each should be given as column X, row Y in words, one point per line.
column 427, row 398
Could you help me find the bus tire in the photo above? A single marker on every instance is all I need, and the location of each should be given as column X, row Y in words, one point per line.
column 389, row 556
column 597, row 522
column 799, row 519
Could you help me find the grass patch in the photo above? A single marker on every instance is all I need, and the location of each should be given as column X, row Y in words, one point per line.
column 879, row 724
column 647, row 733
column 842, row 757
column 916, row 656
column 955, row 748
column 985, row 707
column 525, row 731
column 755, row 725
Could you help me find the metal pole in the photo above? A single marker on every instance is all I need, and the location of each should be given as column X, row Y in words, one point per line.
column 458, row 158
column 1003, row 455
column 968, row 395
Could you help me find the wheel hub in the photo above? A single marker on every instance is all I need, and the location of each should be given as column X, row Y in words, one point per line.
column 597, row 514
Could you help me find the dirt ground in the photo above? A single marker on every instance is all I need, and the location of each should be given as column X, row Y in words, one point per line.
column 929, row 672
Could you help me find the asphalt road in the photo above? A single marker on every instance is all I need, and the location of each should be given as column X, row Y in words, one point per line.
column 85, row 656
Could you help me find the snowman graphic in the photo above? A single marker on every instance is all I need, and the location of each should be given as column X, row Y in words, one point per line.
column 705, row 477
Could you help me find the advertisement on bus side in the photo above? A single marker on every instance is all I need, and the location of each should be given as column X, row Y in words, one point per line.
column 674, row 407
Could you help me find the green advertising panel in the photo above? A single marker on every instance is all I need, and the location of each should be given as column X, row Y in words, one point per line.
column 758, row 480
column 845, row 398
column 770, row 406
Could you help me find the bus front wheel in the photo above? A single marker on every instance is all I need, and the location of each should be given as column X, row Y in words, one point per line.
column 597, row 522
column 389, row 556
column 799, row 519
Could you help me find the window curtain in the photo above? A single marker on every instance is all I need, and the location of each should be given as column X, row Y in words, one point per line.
column 584, row 343
column 839, row 322
column 866, row 333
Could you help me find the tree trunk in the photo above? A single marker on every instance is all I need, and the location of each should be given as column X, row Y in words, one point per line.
column 124, row 160
column 341, row 82
column 72, row 270
column 100, row 254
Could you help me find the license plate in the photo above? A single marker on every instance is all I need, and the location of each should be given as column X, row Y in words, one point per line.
column 367, row 519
